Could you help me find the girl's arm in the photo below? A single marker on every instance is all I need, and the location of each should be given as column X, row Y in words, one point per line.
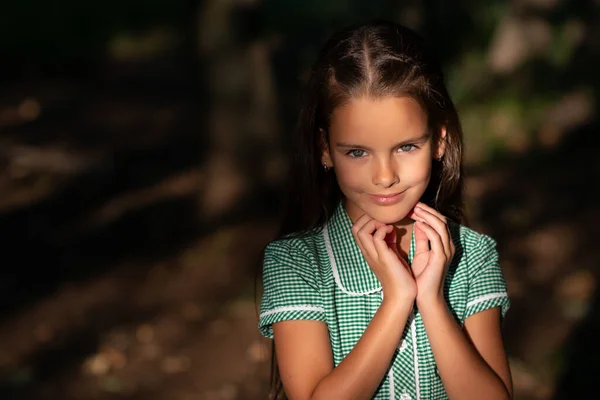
column 305, row 358
column 303, row 348
column 475, row 369
column 472, row 364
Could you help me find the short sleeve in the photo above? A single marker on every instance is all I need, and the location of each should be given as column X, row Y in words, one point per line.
column 487, row 287
column 291, row 287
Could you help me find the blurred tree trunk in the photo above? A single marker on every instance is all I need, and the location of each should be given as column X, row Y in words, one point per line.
column 243, row 150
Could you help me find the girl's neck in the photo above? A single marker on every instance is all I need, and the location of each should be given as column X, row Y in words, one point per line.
column 403, row 230
column 403, row 239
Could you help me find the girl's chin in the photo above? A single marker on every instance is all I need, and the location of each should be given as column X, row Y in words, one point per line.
column 398, row 214
column 395, row 221
column 390, row 216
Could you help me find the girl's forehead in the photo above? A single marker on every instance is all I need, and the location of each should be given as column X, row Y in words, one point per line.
column 367, row 119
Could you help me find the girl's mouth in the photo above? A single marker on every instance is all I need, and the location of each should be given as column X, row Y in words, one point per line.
column 387, row 199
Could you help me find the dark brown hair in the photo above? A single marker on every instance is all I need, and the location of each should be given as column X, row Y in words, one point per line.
column 375, row 60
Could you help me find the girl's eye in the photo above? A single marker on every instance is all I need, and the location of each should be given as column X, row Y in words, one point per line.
column 356, row 153
column 406, row 148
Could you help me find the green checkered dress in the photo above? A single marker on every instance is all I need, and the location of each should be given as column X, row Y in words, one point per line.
column 323, row 276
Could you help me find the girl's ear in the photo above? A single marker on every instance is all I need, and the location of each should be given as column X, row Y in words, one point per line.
column 441, row 144
column 326, row 160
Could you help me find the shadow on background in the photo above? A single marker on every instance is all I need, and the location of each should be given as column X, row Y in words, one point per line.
column 544, row 215
column 104, row 183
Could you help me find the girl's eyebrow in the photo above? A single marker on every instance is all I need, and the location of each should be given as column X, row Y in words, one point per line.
column 419, row 139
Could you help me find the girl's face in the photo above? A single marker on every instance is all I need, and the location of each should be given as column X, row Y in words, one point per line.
column 382, row 153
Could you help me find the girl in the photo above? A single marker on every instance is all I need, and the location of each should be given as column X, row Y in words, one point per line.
column 374, row 289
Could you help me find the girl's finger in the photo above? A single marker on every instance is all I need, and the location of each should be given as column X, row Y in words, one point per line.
column 379, row 242
column 431, row 210
column 439, row 225
column 421, row 241
column 360, row 222
column 381, row 247
column 391, row 238
column 365, row 236
column 437, row 247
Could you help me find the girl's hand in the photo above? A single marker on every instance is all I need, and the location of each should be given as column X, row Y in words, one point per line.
column 434, row 251
column 390, row 268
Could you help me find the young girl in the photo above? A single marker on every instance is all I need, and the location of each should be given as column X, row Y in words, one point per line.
column 374, row 289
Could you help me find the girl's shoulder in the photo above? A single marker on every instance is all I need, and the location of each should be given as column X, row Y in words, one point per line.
column 300, row 241
column 471, row 244
column 477, row 276
column 299, row 249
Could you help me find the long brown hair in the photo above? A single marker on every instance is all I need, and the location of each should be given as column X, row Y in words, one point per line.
column 375, row 60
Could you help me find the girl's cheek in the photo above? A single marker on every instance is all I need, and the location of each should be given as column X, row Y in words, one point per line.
column 347, row 174
column 417, row 172
column 348, row 178
column 420, row 176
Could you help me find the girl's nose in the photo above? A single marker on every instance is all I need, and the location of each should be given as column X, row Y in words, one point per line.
column 385, row 174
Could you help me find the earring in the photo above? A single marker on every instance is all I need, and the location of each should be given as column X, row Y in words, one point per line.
column 325, row 166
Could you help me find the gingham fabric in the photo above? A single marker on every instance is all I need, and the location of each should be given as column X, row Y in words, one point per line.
column 323, row 276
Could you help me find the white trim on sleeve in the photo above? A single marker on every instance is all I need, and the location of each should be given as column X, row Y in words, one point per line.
column 486, row 297
column 291, row 308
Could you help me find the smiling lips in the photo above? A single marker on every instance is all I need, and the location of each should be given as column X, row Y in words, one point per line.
column 387, row 199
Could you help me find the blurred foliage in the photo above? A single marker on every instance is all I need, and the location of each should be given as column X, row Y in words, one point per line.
column 57, row 33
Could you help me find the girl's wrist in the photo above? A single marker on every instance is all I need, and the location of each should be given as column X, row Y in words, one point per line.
column 432, row 302
column 401, row 299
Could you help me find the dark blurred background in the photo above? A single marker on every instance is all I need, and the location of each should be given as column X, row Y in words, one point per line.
column 143, row 145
